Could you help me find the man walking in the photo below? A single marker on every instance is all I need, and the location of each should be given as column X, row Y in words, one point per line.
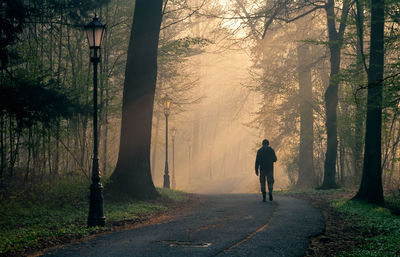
column 265, row 163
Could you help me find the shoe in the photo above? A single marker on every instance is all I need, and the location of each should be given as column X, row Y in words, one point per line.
column 264, row 195
column 270, row 196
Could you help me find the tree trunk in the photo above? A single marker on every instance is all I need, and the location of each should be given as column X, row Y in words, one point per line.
column 30, row 146
column 2, row 145
column 331, row 94
column 132, row 174
column 306, row 157
column 360, row 112
column 195, row 147
column 105, row 103
column 154, row 154
column 58, row 123
column 342, row 158
column 358, row 141
column 371, row 189
column 393, row 162
column 331, row 102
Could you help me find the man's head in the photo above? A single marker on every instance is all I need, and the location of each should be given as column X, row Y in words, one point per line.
column 265, row 142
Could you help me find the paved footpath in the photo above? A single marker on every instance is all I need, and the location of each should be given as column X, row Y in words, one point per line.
column 221, row 225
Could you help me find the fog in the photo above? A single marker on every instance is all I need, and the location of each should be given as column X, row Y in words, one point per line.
column 236, row 72
column 215, row 143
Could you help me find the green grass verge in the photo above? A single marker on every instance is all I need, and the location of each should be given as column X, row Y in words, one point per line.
column 311, row 191
column 57, row 212
column 381, row 228
column 379, row 224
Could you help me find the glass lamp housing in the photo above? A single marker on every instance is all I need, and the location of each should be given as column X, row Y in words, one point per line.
column 95, row 33
column 167, row 105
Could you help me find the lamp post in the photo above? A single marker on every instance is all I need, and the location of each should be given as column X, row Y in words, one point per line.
column 210, row 164
column 210, row 160
column 173, row 132
column 167, row 106
column 95, row 34
column 190, row 161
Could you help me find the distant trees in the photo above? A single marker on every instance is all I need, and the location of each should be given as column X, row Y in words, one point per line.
column 282, row 50
column 342, row 34
column 177, row 76
column 309, row 68
column 174, row 78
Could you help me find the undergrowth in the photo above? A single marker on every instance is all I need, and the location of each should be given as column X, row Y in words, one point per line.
column 295, row 192
column 56, row 212
column 380, row 227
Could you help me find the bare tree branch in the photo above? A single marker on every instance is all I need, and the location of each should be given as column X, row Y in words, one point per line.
column 360, row 30
column 185, row 18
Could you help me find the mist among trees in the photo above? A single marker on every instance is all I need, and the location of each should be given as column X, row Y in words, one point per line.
column 319, row 79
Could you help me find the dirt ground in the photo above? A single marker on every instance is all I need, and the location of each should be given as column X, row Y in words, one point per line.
column 340, row 234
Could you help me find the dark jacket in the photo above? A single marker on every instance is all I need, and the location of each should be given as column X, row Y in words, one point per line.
column 265, row 159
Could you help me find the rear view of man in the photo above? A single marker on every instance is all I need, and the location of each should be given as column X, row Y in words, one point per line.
column 265, row 163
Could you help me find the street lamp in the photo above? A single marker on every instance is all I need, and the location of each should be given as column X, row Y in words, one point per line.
column 190, row 161
column 210, row 160
column 173, row 132
column 167, row 106
column 95, row 34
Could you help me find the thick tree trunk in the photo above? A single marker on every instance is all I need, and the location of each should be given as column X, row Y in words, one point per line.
column 132, row 174
column 306, row 157
column 371, row 183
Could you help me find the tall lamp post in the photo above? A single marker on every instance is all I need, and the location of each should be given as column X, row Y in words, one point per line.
column 173, row 133
column 95, row 34
column 167, row 106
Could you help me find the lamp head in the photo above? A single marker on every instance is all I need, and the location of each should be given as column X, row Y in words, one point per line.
column 173, row 132
column 95, row 33
column 167, row 104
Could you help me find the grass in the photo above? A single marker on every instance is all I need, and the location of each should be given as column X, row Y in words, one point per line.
column 57, row 212
column 312, row 191
column 381, row 227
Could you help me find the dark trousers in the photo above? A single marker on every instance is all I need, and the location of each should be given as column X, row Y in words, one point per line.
column 270, row 179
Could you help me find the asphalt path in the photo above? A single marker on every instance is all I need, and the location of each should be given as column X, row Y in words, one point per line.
column 220, row 225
